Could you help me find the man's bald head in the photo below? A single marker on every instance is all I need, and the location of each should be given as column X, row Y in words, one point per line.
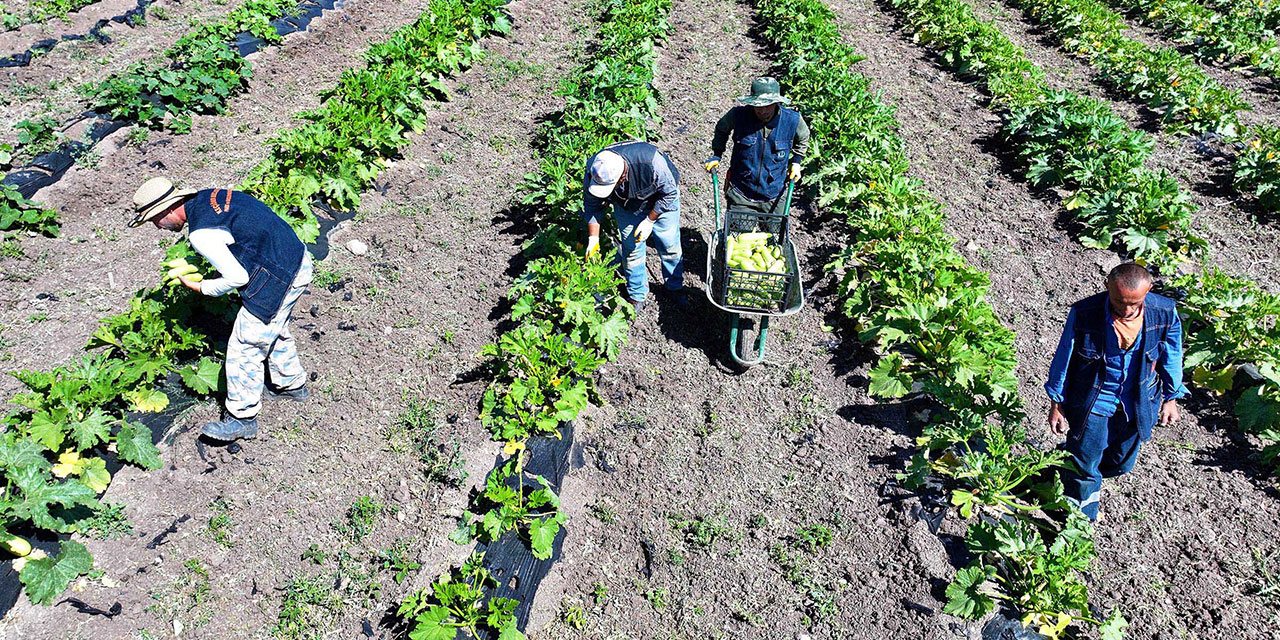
column 1130, row 276
column 1127, row 287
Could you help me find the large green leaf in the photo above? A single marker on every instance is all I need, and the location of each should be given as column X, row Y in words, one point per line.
column 46, row 578
column 203, row 376
column 40, row 496
column 133, row 444
column 542, row 534
column 95, row 428
column 431, row 625
column 888, row 380
column 965, row 598
column 1114, row 627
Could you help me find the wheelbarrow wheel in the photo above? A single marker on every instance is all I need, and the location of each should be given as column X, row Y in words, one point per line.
column 746, row 350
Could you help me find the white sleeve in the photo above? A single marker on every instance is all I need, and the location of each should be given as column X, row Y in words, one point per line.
column 212, row 244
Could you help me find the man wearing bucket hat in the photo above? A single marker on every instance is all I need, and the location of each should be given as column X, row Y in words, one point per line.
column 255, row 252
column 769, row 143
column 642, row 185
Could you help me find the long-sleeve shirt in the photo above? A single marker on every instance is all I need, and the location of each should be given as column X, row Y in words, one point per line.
column 665, row 200
column 720, row 140
column 1119, row 380
column 214, row 245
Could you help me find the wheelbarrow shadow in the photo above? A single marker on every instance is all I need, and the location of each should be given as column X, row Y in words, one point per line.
column 702, row 326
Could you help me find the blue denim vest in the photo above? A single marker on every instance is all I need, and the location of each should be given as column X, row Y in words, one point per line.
column 759, row 169
column 1123, row 370
column 265, row 245
column 639, row 191
column 1096, row 365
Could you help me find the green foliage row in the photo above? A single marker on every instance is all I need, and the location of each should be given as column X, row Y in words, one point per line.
column 51, row 454
column 197, row 75
column 1237, row 34
column 1065, row 139
column 572, row 319
column 366, row 118
column 38, row 11
column 1169, row 82
column 912, row 296
column 1233, row 325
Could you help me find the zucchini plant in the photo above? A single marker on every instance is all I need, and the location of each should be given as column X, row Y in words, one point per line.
column 505, row 506
column 456, row 604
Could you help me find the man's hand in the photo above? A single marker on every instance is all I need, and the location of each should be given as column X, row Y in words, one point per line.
column 644, row 229
column 593, row 246
column 711, row 163
column 794, row 174
column 193, row 285
column 1169, row 413
column 1057, row 422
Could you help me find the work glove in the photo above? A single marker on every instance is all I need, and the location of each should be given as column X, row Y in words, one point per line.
column 711, row 163
column 644, row 229
column 593, row 246
column 794, row 174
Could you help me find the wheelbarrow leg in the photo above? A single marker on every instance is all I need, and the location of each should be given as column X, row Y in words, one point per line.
column 734, row 344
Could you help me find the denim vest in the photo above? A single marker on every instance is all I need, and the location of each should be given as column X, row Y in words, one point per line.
column 759, row 169
column 1097, row 361
column 265, row 245
column 639, row 185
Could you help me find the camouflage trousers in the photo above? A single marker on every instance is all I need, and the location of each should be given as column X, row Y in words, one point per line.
column 253, row 343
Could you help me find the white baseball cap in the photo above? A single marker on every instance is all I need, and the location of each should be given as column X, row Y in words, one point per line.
column 606, row 171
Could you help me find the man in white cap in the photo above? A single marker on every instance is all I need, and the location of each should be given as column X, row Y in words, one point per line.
column 769, row 144
column 257, row 253
column 643, row 186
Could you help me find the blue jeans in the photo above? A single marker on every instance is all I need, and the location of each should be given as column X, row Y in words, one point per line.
column 631, row 254
column 1102, row 447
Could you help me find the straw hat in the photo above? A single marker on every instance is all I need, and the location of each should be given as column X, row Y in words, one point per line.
column 154, row 197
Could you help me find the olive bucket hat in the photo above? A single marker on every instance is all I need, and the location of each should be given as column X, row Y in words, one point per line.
column 764, row 92
column 154, row 197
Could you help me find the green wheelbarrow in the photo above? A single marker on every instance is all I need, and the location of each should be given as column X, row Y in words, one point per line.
column 742, row 286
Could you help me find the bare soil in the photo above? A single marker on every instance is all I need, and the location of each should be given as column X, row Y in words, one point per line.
column 697, row 477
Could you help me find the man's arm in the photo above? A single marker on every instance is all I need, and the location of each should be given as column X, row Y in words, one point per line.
column 1170, row 370
column 1055, row 386
column 720, row 140
column 668, row 189
column 213, row 244
column 800, row 146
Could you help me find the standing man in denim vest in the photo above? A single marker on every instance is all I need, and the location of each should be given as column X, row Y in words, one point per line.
column 255, row 252
column 643, row 187
column 769, row 144
column 1116, row 373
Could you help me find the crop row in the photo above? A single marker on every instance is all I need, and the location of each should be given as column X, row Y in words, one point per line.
column 1234, row 36
column 52, row 465
column 368, row 116
column 1168, row 82
column 571, row 317
column 197, row 75
column 1065, row 139
column 39, row 11
column 912, row 296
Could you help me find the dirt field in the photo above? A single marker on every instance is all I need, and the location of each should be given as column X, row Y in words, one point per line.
column 697, row 478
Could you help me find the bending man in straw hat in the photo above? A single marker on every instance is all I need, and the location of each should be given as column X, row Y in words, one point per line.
column 258, row 254
column 643, row 187
column 769, row 143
